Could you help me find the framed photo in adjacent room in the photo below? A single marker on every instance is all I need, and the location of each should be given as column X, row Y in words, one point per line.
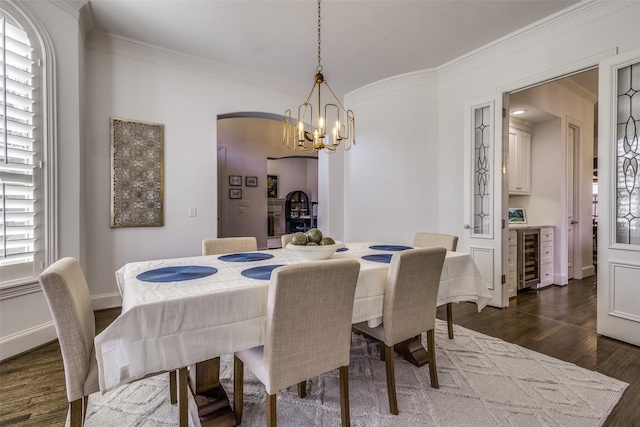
column 235, row 193
column 517, row 216
column 235, row 180
column 272, row 186
column 251, row 181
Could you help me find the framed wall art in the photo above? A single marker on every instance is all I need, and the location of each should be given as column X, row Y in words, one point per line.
column 251, row 181
column 137, row 173
column 235, row 193
column 235, row 180
column 517, row 216
column 272, row 186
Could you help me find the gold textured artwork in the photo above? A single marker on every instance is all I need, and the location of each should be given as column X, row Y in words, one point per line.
column 137, row 173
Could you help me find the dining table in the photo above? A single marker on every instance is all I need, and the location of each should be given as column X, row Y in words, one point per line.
column 186, row 312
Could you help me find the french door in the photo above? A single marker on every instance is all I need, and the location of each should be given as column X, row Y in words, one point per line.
column 619, row 197
column 486, row 191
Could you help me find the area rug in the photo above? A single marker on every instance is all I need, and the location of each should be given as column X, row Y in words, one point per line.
column 484, row 381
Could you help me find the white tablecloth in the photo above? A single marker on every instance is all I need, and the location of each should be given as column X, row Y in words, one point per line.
column 168, row 325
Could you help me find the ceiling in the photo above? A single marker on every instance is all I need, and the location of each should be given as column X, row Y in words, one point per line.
column 362, row 41
column 587, row 81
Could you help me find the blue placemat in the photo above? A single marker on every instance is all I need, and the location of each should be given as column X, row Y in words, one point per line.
column 342, row 249
column 386, row 258
column 176, row 274
column 261, row 273
column 245, row 257
column 390, row 247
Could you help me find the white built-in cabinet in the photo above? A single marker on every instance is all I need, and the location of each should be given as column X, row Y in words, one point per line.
column 546, row 256
column 512, row 270
column 519, row 157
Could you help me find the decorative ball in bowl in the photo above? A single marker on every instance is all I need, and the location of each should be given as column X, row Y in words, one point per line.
column 317, row 252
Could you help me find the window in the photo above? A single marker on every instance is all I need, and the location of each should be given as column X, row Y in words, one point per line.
column 22, row 184
column 628, row 156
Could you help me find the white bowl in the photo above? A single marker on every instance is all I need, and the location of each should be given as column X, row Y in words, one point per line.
column 315, row 253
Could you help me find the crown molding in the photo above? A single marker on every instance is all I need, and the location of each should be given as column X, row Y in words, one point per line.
column 579, row 90
column 85, row 22
column 579, row 14
column 518, row 123
column 72, row 7
column 397, row 83
column 134, row 49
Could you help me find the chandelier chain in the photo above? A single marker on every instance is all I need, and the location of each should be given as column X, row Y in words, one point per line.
column 319, row 67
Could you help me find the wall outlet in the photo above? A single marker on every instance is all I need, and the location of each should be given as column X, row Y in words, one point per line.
column 193, row 211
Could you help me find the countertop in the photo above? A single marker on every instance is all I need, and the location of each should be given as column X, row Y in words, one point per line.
column 526, row 226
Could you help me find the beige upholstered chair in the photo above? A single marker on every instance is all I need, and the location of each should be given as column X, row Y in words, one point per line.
column 308, row 331
column 226, row 245
column 427, row 240
column 286, row 239
column 450, row 243
column 409, row 308
column 67, row 293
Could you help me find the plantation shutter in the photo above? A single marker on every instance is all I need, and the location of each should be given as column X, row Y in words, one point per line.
column 18, row 190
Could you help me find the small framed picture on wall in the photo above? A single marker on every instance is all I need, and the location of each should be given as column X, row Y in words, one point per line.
column 235, row 193
column 235, row 180
column 251, row 181
column 272, row 186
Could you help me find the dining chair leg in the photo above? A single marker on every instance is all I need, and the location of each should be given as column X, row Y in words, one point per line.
column 85, row 404
column 431, row 355
column 302, row 389
column 75, row 412
column 173, row 387
column 391, row 379
column 450, row 319
column 238, row 388
column 271, row 410
column 183, row 406
column 344, row 396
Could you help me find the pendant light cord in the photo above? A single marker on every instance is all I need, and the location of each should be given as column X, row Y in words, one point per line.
column 319, row 67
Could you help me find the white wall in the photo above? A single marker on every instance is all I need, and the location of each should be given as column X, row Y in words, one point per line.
column 406, row 173
column 392, row 176
column 187, row 100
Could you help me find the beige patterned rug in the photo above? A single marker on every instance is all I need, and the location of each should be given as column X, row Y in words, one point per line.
column 484, row 381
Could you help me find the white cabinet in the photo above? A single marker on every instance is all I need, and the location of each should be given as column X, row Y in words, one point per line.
column 519, row 161
column 546, row 257
column 512, row 270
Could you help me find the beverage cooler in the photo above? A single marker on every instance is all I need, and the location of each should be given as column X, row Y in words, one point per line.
column 528, row 258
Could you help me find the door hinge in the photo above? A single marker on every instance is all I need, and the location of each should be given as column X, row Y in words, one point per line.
column 504, row 113
column 504, row 279
column 503, row 224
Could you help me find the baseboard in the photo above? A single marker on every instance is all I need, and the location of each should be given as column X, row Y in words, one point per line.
column 26, row 340
column 560, row 279
column 103, row 301
column 588, row 271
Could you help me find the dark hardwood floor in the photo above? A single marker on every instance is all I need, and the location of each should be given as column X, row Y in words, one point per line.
column 557, row 321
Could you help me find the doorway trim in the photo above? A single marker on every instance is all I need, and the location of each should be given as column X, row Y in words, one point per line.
column 557, row 73
column 574, row 150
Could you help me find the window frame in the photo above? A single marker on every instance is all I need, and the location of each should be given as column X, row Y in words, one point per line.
column 45, row 117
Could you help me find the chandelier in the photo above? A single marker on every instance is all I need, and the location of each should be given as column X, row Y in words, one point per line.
column 332, row 114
